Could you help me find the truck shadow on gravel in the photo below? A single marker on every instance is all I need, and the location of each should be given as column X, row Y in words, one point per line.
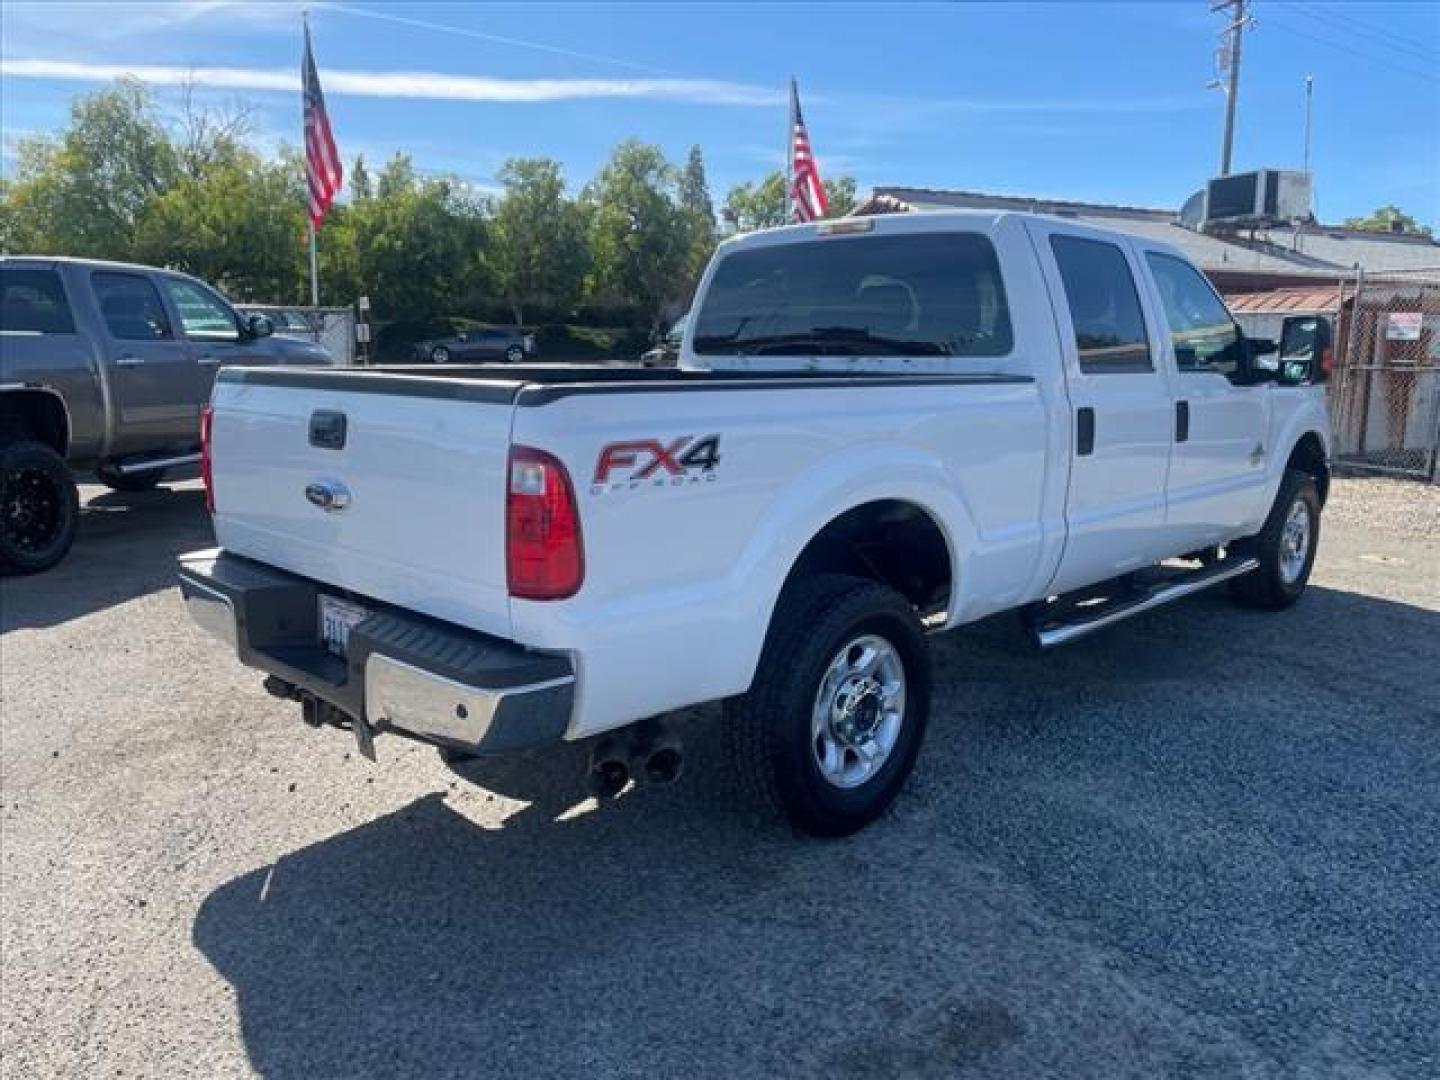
column 125, row 548
column 1201, row 844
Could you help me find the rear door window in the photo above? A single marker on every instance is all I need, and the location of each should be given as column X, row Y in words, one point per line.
column 930, row 294
column 131, row 307
column 1104, row 306
column 32, row 301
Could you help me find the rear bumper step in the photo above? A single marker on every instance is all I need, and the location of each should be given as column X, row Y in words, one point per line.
column 140, row 465
column 1061, row 632
column 402, row 672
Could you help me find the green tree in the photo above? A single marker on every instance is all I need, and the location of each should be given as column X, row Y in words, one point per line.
column 538, row 249
column 413, row 248
column 239, row 225
column 84, row 191
column 1389, row 218
column 697, row 215
column 360, row 184
column 757, row 204
column 761, row 204
column 637, row 233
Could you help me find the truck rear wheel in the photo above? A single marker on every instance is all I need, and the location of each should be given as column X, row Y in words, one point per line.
column 1285, row 547
column 39, row 507
column 831, row 726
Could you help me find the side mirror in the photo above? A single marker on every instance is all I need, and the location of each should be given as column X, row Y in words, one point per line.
column 258, row 326
column 1305, row 350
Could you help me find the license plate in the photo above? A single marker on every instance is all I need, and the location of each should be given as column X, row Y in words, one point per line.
column 337, row 618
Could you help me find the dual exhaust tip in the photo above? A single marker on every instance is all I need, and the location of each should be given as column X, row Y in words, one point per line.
column 650, row 757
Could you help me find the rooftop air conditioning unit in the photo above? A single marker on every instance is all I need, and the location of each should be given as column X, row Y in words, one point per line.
column 1263, row 197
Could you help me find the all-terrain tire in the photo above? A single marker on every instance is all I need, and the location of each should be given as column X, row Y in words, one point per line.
column 770, row 729
column 39, row 507
column 1284, row 570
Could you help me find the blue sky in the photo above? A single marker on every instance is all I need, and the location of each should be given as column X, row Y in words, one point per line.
column 1104, row 102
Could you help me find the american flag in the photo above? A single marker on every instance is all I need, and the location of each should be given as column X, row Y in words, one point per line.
column 323, row 172
column 807, row 193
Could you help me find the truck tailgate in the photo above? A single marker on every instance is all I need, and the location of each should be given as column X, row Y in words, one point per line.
column 414, row 481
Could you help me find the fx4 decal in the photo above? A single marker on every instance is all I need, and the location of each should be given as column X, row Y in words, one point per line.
column 626, row 466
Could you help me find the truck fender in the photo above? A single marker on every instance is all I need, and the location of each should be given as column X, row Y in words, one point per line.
column 1310, row 420
column 831, row 488
column 38, row 411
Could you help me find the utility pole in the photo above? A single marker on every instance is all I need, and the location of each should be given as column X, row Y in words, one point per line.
column 1232, row 90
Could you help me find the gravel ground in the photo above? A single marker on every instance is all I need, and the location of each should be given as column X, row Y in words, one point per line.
column 1204, row 844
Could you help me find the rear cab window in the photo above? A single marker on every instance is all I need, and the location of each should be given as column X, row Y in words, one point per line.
column 899, row 295
column 33, row 301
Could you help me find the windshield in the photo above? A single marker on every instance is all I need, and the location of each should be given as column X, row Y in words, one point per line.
column 918, row 294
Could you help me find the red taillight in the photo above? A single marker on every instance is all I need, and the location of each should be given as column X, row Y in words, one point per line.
column 1327, row 359
column 207, row 421
column 544, row 558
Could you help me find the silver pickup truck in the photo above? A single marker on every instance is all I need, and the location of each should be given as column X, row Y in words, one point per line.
column 104, row 367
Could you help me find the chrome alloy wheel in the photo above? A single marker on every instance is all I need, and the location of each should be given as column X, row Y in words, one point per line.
column 858, row 712
column 1295, row 542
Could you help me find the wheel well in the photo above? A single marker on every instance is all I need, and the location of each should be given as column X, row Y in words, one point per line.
column 893, row 542
column 1309, row 457
column 35, row 414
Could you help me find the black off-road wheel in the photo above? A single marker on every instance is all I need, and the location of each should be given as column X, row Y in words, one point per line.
column 1286, row 547
column 39, row 507
column 830, row 728
column 134, row 481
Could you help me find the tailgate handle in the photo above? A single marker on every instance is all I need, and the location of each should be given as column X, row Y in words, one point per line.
column 327, row 429
column 328, row 495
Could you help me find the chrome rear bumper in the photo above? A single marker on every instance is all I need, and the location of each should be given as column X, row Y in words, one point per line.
column 402, row 672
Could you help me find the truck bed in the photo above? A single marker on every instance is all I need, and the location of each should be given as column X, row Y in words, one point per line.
column 538, row 384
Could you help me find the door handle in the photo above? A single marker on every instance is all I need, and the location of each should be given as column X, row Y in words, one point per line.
column 128, row 360
column 1084, row 431
column 208, row 359
column 1182, row 421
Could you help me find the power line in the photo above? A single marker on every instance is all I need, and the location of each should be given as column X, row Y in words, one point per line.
column 1353, row 26
column 498, row 39
column 1351, row 50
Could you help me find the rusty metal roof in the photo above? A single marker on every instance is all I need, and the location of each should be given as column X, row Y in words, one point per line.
column 1287, row 301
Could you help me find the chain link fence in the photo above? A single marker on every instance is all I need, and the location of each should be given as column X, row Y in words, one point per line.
column 1385, row 391
column 331, row 327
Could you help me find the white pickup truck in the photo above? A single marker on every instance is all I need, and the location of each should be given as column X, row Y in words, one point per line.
column 878, row 428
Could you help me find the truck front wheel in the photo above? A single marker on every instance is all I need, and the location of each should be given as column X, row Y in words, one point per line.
column 39, row 507
column 831, row 726
column 1285, row 547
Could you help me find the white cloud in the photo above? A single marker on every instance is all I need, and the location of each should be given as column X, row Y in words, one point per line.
column 430, row 85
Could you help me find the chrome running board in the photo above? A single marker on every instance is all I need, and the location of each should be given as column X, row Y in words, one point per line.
column 1050, row 634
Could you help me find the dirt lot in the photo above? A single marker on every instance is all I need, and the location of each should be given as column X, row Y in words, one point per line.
column 1205, row 844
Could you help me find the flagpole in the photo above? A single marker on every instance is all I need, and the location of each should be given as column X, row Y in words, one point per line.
column 789, row 150
column 314, row 269
column 314, row 250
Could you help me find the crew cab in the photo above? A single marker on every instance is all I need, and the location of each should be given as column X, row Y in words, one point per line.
column 879, row 428
column 104, row 368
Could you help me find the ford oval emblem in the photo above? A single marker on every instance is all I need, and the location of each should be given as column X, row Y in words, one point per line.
column 328, row 495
